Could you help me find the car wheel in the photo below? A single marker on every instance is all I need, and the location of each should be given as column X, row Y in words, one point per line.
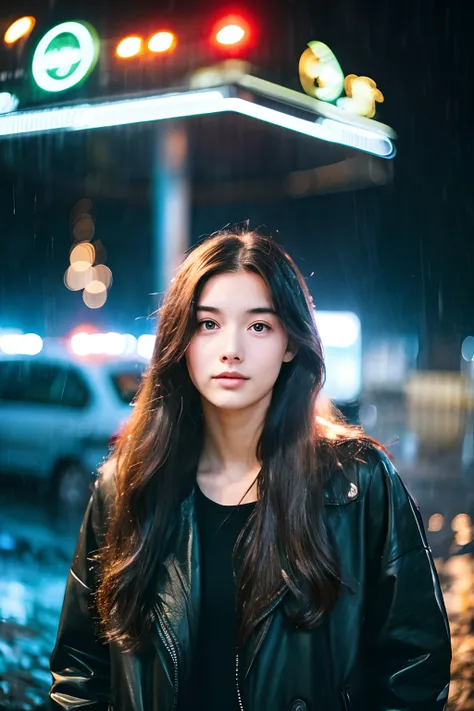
column 71, row 485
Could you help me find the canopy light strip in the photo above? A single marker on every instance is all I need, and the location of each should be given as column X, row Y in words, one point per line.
column 191, row 103
column 323, row 128
column 112, row 113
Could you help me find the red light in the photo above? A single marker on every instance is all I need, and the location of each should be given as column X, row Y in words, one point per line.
column 232, row 31
column 82, row 328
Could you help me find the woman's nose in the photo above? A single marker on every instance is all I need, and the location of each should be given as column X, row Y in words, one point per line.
column 231, row 348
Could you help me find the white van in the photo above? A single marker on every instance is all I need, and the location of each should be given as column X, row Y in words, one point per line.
column 58, row 412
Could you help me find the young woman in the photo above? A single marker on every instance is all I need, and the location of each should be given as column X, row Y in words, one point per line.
column 240, row 551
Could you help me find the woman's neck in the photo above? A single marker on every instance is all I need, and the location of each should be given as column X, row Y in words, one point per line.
column 228, row 464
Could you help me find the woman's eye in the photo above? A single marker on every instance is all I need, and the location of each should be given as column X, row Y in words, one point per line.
column 260, row 327
column 207, row 325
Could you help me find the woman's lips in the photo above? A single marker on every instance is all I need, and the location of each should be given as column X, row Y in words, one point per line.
column 230, row 383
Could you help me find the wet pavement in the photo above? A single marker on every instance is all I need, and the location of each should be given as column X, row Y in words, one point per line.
column 35, row 554
column 36, row 548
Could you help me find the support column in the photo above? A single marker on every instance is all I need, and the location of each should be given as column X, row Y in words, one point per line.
column 171, row 202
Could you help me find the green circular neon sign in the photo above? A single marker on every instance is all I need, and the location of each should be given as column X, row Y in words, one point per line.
column 65, row 56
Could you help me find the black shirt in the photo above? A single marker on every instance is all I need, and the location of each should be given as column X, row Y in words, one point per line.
column 212, row 686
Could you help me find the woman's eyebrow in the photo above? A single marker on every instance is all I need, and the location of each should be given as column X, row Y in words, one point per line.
column 257, row 310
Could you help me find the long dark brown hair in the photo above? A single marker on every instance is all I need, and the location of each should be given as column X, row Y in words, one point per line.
column 158, row 454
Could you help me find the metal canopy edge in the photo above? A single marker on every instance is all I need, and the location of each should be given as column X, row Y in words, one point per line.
column 247, row 95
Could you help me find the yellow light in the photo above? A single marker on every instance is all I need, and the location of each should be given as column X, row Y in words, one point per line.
column 320, row 72
column 460, row 522
column 82, row 257
column 129, row 47
column 161, row 42
column 231, row 34
column 362, row 93
column 20, row 28
column 436, row 522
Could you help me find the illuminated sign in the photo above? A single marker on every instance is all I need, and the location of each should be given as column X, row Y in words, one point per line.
column 341, row 336
column 320, row 73
column 321, row 76
column 8, row 102
column 362, row 93
column 65, row 56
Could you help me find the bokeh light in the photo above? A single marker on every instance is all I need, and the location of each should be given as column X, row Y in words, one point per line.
column 103, row 275
column 146, row 345
column 94, row 294
column 100, row 252
column 462, row 527
column 468, row 348
column 436, row 523
column 21, row 344
column 461, row 521
column 84, row 228
column 114, row 344
column 162, row 42
column 129, row 47
column 18, row 29
column 82, row 207
column 82, row 257
column 232, row 33
column 8, row 102
column 76, row 280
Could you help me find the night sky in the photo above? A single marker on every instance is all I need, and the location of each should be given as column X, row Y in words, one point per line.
column 401, row 255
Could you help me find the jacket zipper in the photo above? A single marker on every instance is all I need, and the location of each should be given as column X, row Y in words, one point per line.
column 346, row 700
column 167, row 640
column 268, row 611
column 239, row 695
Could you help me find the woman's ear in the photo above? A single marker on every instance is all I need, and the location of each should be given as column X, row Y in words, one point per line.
column 290, row 353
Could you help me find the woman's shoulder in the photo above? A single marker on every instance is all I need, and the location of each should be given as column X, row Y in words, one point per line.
column 106, row 477
column 103, row 495
column 361, row 464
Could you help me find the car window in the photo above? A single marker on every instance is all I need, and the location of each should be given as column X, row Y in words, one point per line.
column 126, row 384
column 69, row 389
column 42, row 384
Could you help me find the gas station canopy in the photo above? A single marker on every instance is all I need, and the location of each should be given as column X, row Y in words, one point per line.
column 66, row 82
column 247, row 95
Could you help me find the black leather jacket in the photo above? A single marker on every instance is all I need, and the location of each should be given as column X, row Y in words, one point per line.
column 384, row 647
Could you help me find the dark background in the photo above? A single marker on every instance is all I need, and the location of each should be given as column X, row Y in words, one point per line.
column 400, row 255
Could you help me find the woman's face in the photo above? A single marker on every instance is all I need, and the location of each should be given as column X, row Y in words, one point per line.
column 239, row 333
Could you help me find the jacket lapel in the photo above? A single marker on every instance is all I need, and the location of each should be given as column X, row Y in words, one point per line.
column 179, row 589
column 342, row 489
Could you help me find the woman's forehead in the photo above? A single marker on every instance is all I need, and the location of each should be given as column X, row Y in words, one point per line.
column 242, row 289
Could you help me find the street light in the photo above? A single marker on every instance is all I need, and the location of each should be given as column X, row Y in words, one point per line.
column 231, row 31
column 162, row 42
column 129, row 47
column 18, row 29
